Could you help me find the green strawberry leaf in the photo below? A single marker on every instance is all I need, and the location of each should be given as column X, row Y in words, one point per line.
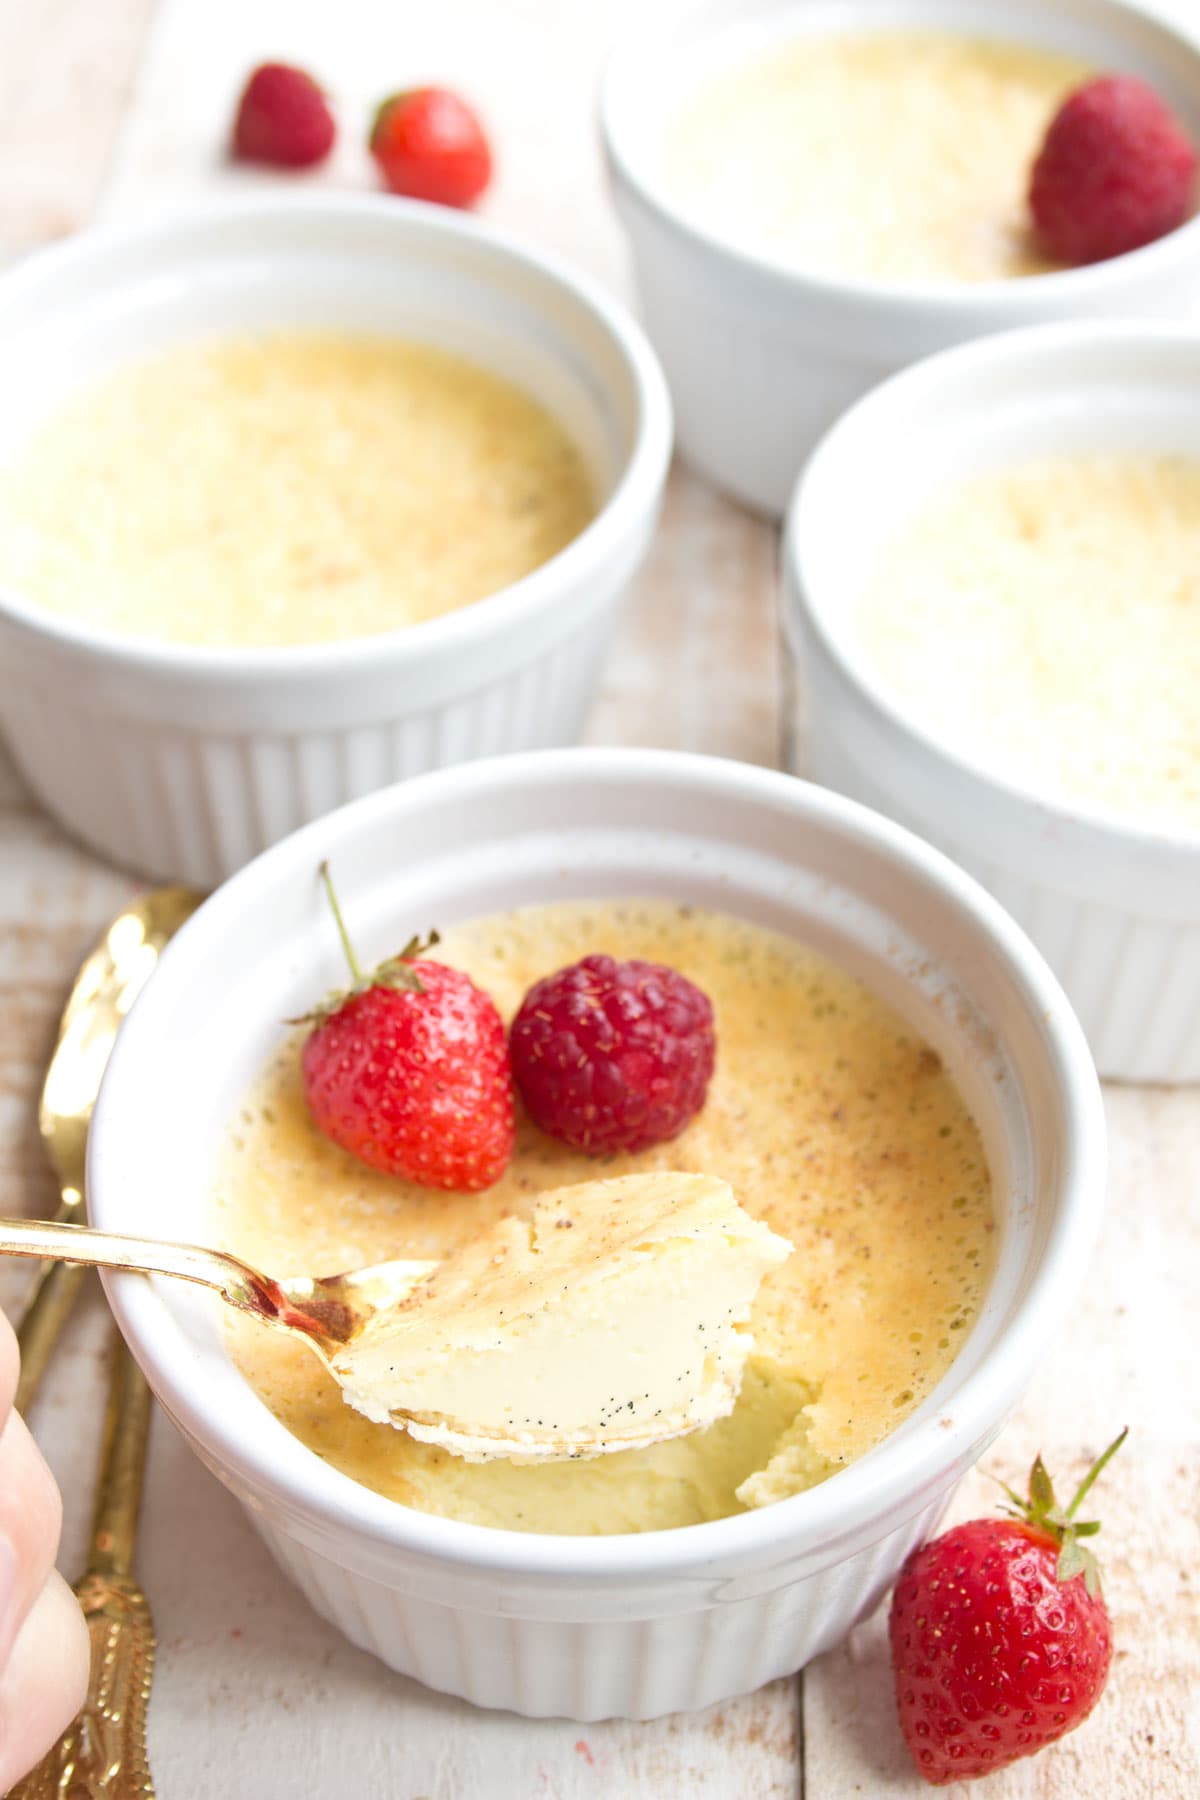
column 1041, row 1488
column 1043, row 1511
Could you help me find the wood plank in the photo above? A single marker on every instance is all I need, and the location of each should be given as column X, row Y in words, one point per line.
column 697, row 662
column 66, row 69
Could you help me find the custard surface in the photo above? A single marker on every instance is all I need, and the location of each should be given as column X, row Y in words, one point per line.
column 830, row 1119
column 291, row 488
column 1045, row 619
column 889, row 156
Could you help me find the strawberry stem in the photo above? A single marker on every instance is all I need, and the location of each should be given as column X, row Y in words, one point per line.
column 347, row 946
column 1091, row 1475
column 396, row 973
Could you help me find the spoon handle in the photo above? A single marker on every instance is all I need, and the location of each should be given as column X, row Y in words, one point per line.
column 47, row 1309
column 241, row 1285
column 102, row 1755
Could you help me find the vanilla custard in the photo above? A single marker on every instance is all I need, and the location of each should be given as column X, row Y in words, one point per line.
column 612, row 1317
column 1044, row 619
column 291, row 488
column 879, row 155
column 830, row 1120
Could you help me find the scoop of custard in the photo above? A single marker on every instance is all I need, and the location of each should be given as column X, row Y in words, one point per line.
column 613, row 1317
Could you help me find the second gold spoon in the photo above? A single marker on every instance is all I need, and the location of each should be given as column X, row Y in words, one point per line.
column 106, row 987
column 104, row 1750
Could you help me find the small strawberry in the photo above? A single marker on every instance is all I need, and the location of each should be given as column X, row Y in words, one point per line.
column 429, row 145
column 1116, row 170
column 613, row 1055
column 408, row 1070
column 282, row 118
column 1000, row 1636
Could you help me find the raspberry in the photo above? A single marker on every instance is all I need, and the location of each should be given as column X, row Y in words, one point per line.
column 282, row 118
column 1115, row 170
column 613, row 1055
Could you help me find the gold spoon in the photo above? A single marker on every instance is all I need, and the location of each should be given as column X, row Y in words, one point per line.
column 105, row 988
column 102, row 1753
column 325, row 1312
column 665, row 1253
column 104, row 1750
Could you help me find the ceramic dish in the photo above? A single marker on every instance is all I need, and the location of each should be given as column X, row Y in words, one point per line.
column 1113, row 905
column 761, row 356
column 630, row 1625
column 185, row 762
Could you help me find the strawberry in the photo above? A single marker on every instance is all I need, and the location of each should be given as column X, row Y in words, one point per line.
column 408, row 1070
column 282, row 118
column 431, row 146
column 1000, row 1636
column 1116, row 170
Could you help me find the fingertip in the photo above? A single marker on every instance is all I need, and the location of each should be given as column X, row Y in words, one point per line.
column 45, row 1681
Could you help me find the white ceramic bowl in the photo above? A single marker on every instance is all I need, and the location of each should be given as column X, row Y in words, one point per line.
column 1113, row 905
column 183, row 762
column 631, row 1625
column 762, row 357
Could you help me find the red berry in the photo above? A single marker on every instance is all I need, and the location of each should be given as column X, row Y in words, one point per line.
column 1115, row 170
column 613, row 1055
column 1001, row 1640
column 282, row 118
column 409, row 1071
column 429, row 145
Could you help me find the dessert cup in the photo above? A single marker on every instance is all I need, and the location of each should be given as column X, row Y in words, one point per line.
column 762, row 355
column 1113, row 903
column 632, row 1625
column 184, row 762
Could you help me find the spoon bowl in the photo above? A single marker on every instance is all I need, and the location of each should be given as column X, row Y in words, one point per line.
column 325, row 1312
column 105, row 988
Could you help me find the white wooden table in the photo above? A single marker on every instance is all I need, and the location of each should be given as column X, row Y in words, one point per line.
column 115, row 107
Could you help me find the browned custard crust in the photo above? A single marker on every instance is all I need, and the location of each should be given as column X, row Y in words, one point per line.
column 831, row 1120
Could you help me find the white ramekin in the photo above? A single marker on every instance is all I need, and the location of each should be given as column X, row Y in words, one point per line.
column 631, row 1625
column 762, row 357
column 1113, row 905
column 184, row 763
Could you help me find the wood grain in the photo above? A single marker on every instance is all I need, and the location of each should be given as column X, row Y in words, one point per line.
column 252, row 1688
column 66, row 70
